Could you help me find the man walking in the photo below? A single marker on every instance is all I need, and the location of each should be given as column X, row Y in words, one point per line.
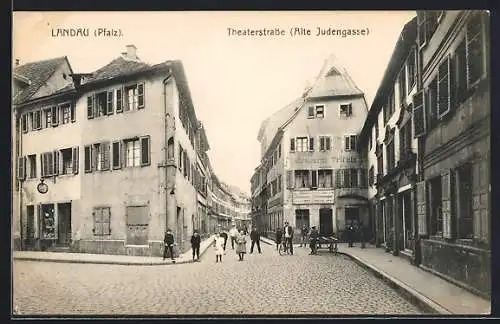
column 233, row 233
column 313, row 240
column 288, row 230
column 304, row 233
column 169, row 245
column 255, row 237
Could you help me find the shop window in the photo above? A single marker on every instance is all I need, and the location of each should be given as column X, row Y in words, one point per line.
column 48, row 224
column 102, row 221
column 137, row 225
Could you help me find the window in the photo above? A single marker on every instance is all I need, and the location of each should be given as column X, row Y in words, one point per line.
column 36, row 119
column 432, row 103
column 48, row 165
column 412, row 70
column 100, row 157
column 101, row 101
column 292, row 144
column 419, row 123
column 350, row 178
column 134, row 97
column 31, row 166
column 301, row 144
column 24, row 123
column 402, row 84
column 390, row 156
column 390, row 107
column 66, row 113
column 132, row 153
column 181, row 157
column 310, row 112
column 427, row 22
column 346, row 110
column 119, row 100
column 117, row 155
column 47, row 118
column 90, row 107
column 325, row 178
column 460, row 62
column 302, row 178
column 67, row 161
column 350, row 142
column 311, row 143
column 145, row 151
column 102, row 221
column 444, row 87
column 371, row 176
column 320, row 111
column 324, row 143
column 464, row 202
column 405, row 141
column 362, row 178
column 475, row 50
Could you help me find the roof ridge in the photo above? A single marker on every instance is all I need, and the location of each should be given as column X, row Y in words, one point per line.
column 41, row 61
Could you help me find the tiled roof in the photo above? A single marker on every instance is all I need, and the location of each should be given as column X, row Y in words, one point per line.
column 116, row 68
column 37, row 73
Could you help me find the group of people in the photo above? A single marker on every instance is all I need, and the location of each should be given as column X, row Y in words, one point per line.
column 285, row 236
column 238, row 239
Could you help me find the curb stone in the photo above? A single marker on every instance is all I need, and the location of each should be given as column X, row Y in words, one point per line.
column 128, row 263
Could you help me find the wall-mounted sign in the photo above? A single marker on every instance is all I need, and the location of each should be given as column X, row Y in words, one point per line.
column 42, row 187
column 327, row 160
column 313, row 197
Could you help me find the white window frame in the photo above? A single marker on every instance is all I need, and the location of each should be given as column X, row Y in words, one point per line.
column 306, row 138
column 316, row 111
column 349, row 112
column 349, row 147
column 324, row 137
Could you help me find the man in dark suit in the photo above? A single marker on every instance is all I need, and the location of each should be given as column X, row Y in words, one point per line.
column 288, row 236
column 255, row 237
column 169, row 245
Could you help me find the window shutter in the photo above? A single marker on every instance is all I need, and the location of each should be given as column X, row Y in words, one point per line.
column 109, row 105
column 116, row 155
column 119, row 100
column 310, row 111
column 54, row 116
column 328, row 143
column 480, row 200
column 90, row 107
column 289, row 179
column 73, row 112
column 55, row 163
column 145, row 151
column 314, row 178
column 140, row 96
column 21, row 168
column 292, row 144
column 24, row 123
column 353, row 142
column 446, row 179
column 42, row 165
column 444, row 77
column 421, row 208
column 311, row 143
column 347, row 143
column 419, row 114
column 105, row 147
column 474, row 56
column 88, row 158
column 75, row 159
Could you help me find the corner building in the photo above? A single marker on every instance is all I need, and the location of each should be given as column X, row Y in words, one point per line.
column 315, row 174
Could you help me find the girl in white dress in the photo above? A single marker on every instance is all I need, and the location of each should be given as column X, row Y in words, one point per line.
column 218, row 247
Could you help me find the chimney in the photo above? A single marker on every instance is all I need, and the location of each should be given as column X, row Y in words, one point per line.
column 17, row 62
column 131, row 53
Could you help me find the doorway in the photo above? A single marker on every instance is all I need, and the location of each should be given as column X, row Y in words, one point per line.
column 325, row 221
column 64, row 224
column 301, row 218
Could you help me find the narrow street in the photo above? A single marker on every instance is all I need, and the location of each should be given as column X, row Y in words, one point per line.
column 264, row 283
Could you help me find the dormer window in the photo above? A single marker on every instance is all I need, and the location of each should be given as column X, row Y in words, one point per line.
column 320, row 111
column 346, row 110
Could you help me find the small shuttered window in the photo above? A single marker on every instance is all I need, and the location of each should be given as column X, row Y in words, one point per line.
column 421, row 208
column 446, row 193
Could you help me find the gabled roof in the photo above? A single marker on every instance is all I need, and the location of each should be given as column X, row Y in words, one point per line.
column 117, row 68
column 37, row 73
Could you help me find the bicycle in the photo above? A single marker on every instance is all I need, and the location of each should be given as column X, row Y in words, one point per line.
column 283, row 248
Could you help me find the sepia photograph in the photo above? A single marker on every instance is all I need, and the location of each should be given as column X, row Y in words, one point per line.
column 250, row 163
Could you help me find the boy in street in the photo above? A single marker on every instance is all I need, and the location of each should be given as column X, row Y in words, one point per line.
column 169, row 245
column 255, row 237
column 195, row 245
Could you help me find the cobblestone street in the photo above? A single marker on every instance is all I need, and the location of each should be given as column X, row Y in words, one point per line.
column 262, row 284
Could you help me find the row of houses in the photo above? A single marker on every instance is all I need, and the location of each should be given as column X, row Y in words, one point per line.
column 417, row 174
column 107, row 161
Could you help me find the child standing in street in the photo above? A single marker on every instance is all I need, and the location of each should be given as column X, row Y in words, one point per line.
column 219, row 247
column 241, row 247
column 169, row 245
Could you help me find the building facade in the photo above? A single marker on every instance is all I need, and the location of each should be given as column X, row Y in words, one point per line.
column 121, row 152
column 432, row 201
column 315, row 175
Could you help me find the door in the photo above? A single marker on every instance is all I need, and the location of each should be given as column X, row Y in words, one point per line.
column 325, row 221
column 408, row 223
column 301, row 218
column 64, row 225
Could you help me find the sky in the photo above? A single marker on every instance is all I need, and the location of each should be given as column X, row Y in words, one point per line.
column 236, row 82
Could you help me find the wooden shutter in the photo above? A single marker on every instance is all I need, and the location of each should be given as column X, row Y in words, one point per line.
column 88, row 158
column 444, row 76
column 72, row 112
column 419, row 114
column 42, row 165
column 55, row 163
column 90, row 107
column 75, row 159
column 104, row 147
column 292, row 144
column 421, row 208
column 311, row 143
column 145, row 150
column 24, row 123
column 446, row 193
column 314, row 178
column 310, row 111
column 54, row 116
column 328, row 143
column 289, row 179
column 109, row 103
column 480, row 200
column 347, row 143
column 21, row 168
column 119, row 100
column 116, row 153
column 140, row 96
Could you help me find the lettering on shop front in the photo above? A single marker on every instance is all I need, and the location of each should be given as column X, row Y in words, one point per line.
column 332, row 159
column 316, row 197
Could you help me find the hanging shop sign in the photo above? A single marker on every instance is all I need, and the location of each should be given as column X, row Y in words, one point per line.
column 42, row 187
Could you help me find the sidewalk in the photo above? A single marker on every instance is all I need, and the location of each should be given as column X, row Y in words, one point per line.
column 186, row 257
column 430, row 292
